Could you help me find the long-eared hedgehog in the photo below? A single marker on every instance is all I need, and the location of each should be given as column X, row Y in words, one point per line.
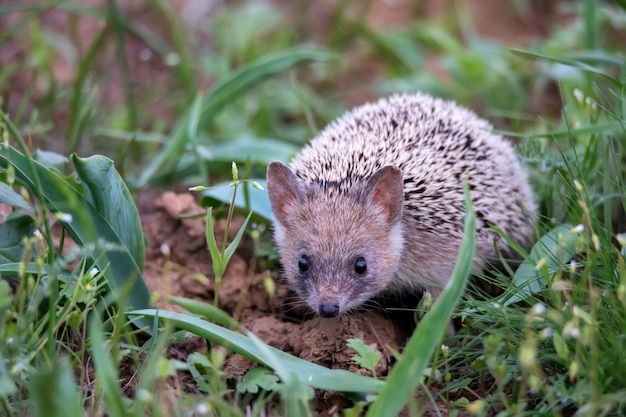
column 375, row 202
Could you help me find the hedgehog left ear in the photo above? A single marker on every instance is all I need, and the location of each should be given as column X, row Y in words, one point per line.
column 385, row 190
column 283, row 190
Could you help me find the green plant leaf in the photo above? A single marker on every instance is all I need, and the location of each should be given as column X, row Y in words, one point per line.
column 208, row 311
column 232, row 247
column 12, row 234
column 255, row 378
column 366, row 356
column 555, row 248
column 223, row 94
column 106, row 369
column 259, row 203
column 579, row 130
column 107, row 192
column 12, row 269
column 308, row 373
column 407, row 373
column 87, row 227
column 54, row 392
column 247, row 148
column 297, row 393
column 569, row 62
column 10, row 197
column 216, row 257
column 7, row 385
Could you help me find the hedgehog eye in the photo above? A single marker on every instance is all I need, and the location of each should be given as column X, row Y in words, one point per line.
column 304, row 263
column 360, row 266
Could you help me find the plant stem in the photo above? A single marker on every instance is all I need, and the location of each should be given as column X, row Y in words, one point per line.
column 231, row 210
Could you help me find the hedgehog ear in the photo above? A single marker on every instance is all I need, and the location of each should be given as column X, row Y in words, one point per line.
column 385, row 190
column 283, row 189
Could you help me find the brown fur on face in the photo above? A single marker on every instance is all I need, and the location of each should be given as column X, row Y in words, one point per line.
column 333, row 232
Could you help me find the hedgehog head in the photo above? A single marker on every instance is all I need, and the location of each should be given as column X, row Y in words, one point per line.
column 338, row 247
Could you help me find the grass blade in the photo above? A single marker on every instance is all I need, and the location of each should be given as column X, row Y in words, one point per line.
column 106, row 369
column 407, row 373
column 310, row 374
column 568, row 62
column 78, row 109
column 55, row 393
column 216, row 258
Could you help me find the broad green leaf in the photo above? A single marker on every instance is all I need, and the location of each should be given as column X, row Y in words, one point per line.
column 10, row 197
column 54, row 392
column 247, row 148
column 50, row 159
column 259, row 203
column 308, row 373
column 555, row 248
column 12, row 233
column 87, row 226
column 107, row 192
column 223, row 94
column 407, row 373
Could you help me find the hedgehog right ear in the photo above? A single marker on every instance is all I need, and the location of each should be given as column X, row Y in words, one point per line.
column 385, row 189
column 283, row 189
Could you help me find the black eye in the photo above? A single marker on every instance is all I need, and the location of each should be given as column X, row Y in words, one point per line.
column 360, row 266
column 304, row 263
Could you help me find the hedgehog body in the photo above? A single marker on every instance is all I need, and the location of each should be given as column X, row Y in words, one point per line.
column 375, row 202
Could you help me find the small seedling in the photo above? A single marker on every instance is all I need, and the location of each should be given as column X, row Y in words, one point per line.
column 367, row 357
column 221, row 257
column 255, row 378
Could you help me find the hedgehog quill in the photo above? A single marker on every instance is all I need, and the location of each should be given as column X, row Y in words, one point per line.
column 374, row 203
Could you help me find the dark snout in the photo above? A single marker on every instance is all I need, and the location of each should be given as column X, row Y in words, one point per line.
column 328, row 309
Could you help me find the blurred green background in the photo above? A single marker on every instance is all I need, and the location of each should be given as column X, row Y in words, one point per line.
column 125, row 78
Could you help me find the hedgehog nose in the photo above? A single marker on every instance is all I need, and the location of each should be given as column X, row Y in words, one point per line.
column 329, row 309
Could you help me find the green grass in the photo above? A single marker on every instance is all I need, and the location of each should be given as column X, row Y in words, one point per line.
column 552, row 344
